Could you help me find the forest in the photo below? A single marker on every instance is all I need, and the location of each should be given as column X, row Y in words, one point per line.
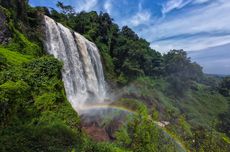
column 35, row 114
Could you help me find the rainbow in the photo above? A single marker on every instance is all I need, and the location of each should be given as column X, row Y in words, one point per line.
column 180, row 146
column 106, row 106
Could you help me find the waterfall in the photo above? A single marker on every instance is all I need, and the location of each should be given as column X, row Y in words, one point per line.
column 82, row 72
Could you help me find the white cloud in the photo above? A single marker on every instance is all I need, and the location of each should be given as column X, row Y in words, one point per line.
column 86, row 5
column 209, row 19
column 171, row 5
column 108, row 6
column 174, row 4
column 190, row 44
column 200, row 1
column 141, row 17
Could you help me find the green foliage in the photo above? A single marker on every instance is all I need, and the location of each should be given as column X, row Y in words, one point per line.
column 18, row 25
column 198, row 107
column 207, row 140
column 65, row 9
column 224, row 124
column 36, row 116
column 203, row 106
column 3, row 61
column 133, row 57
column 16, row 7
column 13, row 96
column 45, row 66
column 107, row 147
column 142, row 135
column 177, row 63
column 46, row 101
column 12, row 58
column 21, row 44
column 180, row 72
column 122, row 79
column 224, row 88
column 5, row 11
column 130, row 104
column 185, row 126
column 152, row 93
column 49, row 137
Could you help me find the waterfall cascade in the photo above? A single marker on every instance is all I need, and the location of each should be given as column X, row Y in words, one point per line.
column 83, row 77
column 82, row 72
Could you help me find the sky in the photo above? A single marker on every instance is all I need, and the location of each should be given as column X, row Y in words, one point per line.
column 200, row 27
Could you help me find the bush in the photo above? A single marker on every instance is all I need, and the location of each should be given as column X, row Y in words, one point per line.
column 47, row 101
column 21, row 44
column 13, row 95
column 141, row 134
column 13, row 58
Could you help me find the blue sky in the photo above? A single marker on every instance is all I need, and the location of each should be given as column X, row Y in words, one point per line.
column 192, row 25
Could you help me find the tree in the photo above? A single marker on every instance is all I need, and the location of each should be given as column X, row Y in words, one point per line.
column 126, row 31
column 177, row 63
column 65, row 9
column 224, row 88
column 180, row 71
column 141, row 134
column 224, row 125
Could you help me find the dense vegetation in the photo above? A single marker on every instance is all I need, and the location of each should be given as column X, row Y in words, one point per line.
column 36, row 116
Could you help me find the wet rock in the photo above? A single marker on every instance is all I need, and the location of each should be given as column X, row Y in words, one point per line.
column 96, row 132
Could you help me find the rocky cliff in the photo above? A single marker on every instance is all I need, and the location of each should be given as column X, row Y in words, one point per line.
column 5, row 33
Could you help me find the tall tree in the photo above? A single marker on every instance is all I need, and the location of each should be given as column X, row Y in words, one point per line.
column 65, row 9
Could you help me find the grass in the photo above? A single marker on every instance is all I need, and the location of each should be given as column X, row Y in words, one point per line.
column 203, row 107
column 151, row 92
column 200, row 107
column 14, row 58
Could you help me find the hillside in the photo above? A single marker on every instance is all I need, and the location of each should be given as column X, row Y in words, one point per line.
column 157, row 90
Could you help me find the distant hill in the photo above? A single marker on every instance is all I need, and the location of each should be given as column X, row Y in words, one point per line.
column 215, row 60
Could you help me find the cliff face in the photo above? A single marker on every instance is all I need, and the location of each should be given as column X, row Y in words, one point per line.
column 19, row 6
column 5, row 33
column 15, row 12
column 17, row 9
